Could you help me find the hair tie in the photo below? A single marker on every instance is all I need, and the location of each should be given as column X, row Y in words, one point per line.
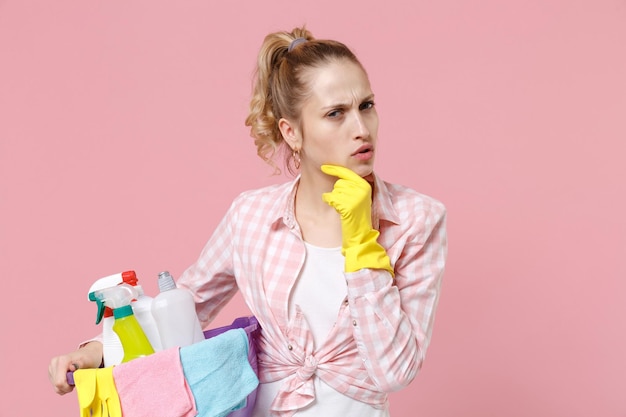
column 295, row 43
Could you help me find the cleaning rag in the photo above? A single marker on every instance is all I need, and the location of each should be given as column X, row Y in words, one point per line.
column 154, row 386
column 219, row 373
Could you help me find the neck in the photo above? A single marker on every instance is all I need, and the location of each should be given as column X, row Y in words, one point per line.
column 310, row 190
column 319, row 223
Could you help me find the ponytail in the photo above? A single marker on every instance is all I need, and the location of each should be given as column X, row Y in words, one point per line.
column 279, row 89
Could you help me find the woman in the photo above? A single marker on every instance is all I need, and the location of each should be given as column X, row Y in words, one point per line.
column 341, row 269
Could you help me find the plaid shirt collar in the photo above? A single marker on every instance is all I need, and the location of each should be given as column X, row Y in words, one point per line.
column 382, row 206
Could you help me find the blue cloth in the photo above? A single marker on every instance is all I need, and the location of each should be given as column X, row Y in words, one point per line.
column 218, row 373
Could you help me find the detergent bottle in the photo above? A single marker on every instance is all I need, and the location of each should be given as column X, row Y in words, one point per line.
column 134, row 341
column 142, row 308
column 113, row 352
column 174, row 311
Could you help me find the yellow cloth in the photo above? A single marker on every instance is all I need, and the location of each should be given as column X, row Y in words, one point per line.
column 352, row 198
column 97, row 395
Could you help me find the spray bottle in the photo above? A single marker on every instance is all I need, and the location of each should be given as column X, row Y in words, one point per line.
column 113, row 352
column 133, row 339
column 142, row 309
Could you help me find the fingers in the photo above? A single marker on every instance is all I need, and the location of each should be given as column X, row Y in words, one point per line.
column 349, row 182
column 331, row 200
column 348, row 187
column 57, row 373
column 341, row 172
column 88, row 356
column 349, row 192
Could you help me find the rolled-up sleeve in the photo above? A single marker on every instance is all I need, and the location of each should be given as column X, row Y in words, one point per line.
column 211, row 278
column 392, row 320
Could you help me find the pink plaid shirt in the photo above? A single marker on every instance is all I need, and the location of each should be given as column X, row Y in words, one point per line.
column 384, row 325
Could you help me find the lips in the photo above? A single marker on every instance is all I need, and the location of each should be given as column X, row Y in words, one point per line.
column 363, row 149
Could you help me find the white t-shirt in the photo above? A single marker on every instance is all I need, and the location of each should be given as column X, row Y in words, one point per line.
column 319, row 291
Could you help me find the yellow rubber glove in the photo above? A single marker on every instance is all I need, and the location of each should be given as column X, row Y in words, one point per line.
column 85, row 381
column 107, row 392
column 352, row 198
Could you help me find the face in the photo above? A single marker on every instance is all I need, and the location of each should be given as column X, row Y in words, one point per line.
column 339, row 123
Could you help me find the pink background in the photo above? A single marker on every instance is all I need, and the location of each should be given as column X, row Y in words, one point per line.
column 122, row 143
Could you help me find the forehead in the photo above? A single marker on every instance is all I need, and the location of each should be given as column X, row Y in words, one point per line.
column 337, row 81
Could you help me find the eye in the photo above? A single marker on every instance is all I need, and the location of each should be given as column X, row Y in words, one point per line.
column 334, row 113
column 366, row 105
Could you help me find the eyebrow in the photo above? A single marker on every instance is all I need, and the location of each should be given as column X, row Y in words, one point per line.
column 344, row 105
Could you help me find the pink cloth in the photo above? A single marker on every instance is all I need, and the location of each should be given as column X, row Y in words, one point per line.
column 154, row 386
column 382, row 330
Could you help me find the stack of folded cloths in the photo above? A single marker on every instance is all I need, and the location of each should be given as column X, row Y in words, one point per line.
column 209, row 379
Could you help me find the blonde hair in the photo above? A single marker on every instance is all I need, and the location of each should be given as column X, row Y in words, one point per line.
column 280, row 87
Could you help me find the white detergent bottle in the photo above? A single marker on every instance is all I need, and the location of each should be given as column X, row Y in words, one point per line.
column 142, row 308
column 174, row 311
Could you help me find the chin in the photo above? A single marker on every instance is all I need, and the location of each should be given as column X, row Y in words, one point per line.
column 366, row 172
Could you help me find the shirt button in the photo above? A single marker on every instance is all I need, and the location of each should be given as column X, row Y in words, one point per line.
column 345, row 301
column 289, row 347
column 354, row 322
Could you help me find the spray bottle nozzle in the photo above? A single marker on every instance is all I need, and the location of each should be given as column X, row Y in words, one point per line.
column 128, row 277
column 100, row 313
column 113, row 297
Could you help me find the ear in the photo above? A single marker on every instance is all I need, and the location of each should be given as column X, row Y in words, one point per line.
column 290, row 133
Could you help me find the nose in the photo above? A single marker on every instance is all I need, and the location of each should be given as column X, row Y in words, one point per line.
column 360, row 127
